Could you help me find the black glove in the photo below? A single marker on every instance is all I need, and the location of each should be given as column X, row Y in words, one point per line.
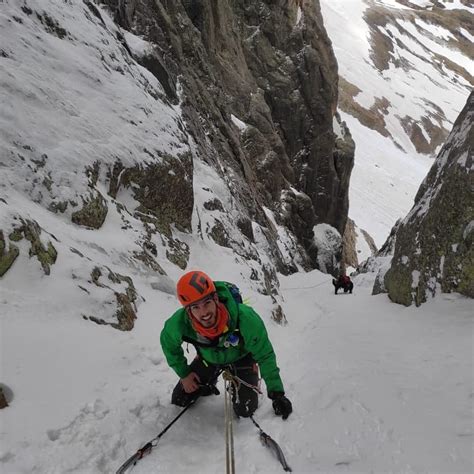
column 281, row 405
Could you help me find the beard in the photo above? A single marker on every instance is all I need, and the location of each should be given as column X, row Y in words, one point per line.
column 215, row 322
column 209, row 320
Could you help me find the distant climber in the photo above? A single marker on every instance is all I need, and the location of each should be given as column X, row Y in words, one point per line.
column 343, row 282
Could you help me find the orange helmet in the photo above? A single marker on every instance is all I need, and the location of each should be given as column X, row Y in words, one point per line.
column 194, row 286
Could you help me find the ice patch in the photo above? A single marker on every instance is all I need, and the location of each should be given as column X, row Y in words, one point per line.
column 299, row 15
column 337, row 128
column 327, row 240
column 468, row 230
column 238, row 123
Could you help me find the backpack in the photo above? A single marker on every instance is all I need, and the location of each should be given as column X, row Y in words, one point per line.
column 234, row 291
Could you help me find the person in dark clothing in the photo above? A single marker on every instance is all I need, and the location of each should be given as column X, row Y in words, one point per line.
column 343, row 282
column 227, row 335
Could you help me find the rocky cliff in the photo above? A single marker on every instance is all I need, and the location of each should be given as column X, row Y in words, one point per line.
column 171, row 125
column 258, row 86
column 434, row 248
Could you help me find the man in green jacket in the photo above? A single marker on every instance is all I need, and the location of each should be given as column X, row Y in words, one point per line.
column 226, row 335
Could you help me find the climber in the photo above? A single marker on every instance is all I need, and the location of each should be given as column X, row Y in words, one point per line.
column 226, row 334
column 343, row 282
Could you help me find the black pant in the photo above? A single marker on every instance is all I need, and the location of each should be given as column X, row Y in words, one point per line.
column 347, row 287
column 245, row 401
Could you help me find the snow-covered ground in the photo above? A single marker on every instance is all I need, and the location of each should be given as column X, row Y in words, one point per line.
column 384, row 181
column 376, row 387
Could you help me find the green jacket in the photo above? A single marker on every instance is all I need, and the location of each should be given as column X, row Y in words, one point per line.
column 243, row 321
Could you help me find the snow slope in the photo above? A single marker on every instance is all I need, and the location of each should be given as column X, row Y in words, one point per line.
column 384, row 181
column 73, row 75
column 410, row 79
column 376, row 387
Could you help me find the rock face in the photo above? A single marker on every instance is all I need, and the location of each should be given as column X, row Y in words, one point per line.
column 7, row 257
column 350, row 252
column 434, row 248
column 45, row 252
column 210, row 122
column 121, row 313
column 258, row 86
column 92, row 214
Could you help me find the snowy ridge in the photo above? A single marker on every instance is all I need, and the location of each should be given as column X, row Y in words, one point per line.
column 416, row 68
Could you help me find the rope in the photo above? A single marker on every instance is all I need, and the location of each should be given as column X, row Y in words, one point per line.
column 230, row 385
column 304, row 287
column 238, row 381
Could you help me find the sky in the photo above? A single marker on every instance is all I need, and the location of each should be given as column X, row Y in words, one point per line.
column 376, row 387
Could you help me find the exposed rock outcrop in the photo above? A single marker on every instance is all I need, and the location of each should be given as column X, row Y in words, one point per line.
column 278, row 75
column 369, row 240
column 354, row 236
column 434, row 248
column 45, row 252
column 93, row 212
column 162, row 187
column 349, row 251
column 119, row 294
column 7, row 254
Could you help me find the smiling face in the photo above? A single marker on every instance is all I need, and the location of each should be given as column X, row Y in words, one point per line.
column 205, row 311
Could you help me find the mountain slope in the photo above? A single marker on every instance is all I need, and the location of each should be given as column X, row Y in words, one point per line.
column 434, row 243
column 405, row 68
column 362, row 374
column 111, row 133
column 405, row 73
